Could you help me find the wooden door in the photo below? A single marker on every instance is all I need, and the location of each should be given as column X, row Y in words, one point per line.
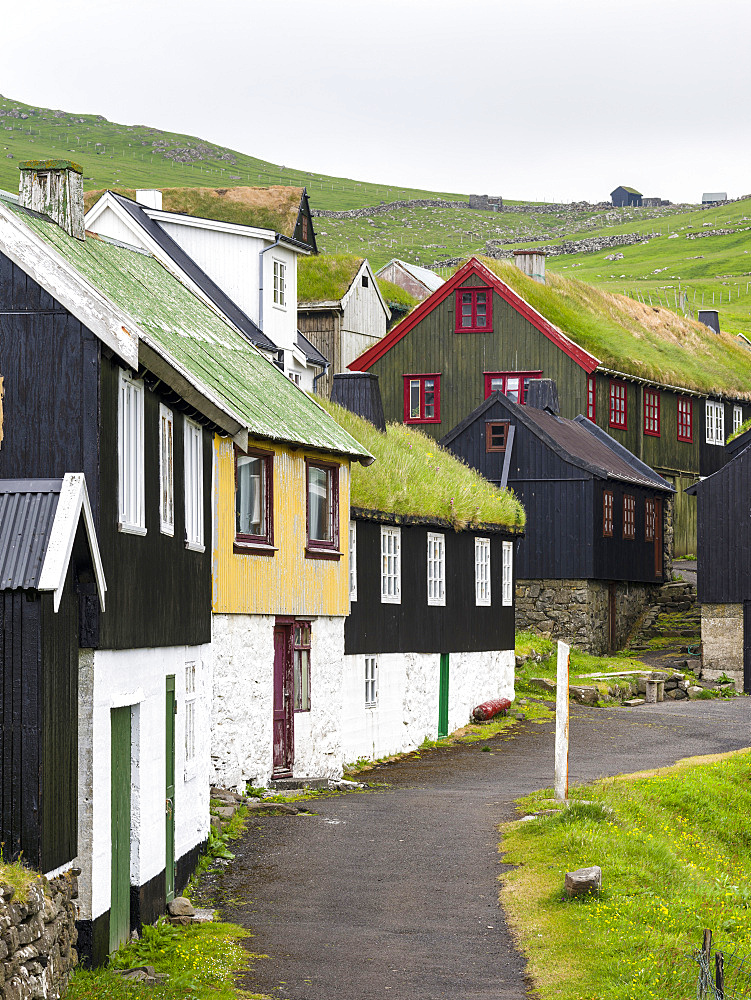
column 171, row 711
column 284, row 740
column 658, row 539
column 120, row 792
column 443, row 697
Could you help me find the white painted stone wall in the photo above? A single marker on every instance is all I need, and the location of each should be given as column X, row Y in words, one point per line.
column 137, row 677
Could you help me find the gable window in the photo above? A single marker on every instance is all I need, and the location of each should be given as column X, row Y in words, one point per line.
column 131, row 516
column 365, row 281
column 715, row 417
column 436, row 569
column 254, row 491
column 591, row 398
column 507, row 580
column 607, row 514
column 422, row 399
column 280, row 283
column 323, row 508
column 685, row 419
column 482, row 572
column 166, row 471
column 301, row 666
column 353, row 560
column 629, row 516
column 391, row 566
column 618, row 405
column 651, row 413
column 371, row 682
column 511, row 384
column 649, row 520
column 190, row 715
column 474, row 310
column 305, row 229
column 193, row 449
column 737, row 418
column 496, row 435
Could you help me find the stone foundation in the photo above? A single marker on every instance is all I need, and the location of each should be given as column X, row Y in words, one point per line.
column 722, row 642
column 577, row 611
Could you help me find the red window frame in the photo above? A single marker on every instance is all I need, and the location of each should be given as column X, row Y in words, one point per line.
column 650, row 520
column 685, row 407
column 469, row 296
column 244, row 541
column 651, row 412
column 591, row 398
column 503, row 377
column 607, row 514
column 629, row 516
column 426, row 405
column 618, row 412
column 320, row 548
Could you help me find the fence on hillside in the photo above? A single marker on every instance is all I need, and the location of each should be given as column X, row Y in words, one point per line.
column 723, row 975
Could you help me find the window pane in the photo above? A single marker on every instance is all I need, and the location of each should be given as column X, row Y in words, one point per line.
column 414, row 398
column 466, row 309
column 512, row 389
column 481, row 309
column 496, row 385
column 319, row 503
column 250, row 508
column 429, row 398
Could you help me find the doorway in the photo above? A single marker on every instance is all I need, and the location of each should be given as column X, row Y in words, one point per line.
column 284, row 733
column 443, row 697
column 120, row 729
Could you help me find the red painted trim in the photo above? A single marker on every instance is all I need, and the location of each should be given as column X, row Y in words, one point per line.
column 649, row 520
column 629, row 516
column 651, row 412
column 614, row 418
column 368, row 358
column 267, row 539
column 591, row 398
column 316, row 543
column 472, row 290
column 688, row 438
column 489, row 376
column 607, row 514
column 415, row 377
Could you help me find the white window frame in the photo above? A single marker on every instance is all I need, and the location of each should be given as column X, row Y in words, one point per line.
column 371, row 682
column 737, row 418
column 190, row 698
column 193, row 485
column 353, row 560
column 482, row 572
column 130, row 501
column 166, row 470
column 714, row 414
column 391, row 565
column 436, row 569
column 507, row 578
column 279, row 270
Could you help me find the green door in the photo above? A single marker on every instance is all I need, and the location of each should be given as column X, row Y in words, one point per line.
column 120, row 790
column 443, row 697
column 171, row 708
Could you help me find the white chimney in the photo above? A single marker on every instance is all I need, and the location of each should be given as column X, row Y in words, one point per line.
column 55, row 189
column 149, row 198
column 532, row 262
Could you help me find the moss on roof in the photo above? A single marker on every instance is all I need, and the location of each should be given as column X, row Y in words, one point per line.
column 633, row 338
column 326, row 277
column 414, row 476
column 273, row 207
column 746, row 425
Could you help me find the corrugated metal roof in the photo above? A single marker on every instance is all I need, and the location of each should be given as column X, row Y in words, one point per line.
column 215, row 354
column 714, row 196
column 429, row 278
column 27, row 511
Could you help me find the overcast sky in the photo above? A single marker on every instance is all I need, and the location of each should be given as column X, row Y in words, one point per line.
column 539, row 99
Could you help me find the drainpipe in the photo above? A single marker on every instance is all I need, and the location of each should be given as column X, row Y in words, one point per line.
column 324, row 372
column 260, row 278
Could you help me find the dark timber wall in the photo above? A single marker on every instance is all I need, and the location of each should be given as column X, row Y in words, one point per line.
column 724, row 535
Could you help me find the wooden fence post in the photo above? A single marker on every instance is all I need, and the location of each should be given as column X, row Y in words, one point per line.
column 719, row 977
column 704, row 973
column 561, row 723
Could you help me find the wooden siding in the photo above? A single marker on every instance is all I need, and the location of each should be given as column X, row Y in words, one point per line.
column 364, row 313
column 414, row 626
column 285, row 583
column 684, row 517
column 322, row 328
column 558, row 542
column 724, row 534
column 619, row 558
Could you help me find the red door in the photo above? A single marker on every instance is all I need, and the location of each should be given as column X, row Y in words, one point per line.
column 284, row 740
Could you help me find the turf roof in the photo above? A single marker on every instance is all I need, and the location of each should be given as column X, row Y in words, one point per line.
column 413, row 476
column 326, row 277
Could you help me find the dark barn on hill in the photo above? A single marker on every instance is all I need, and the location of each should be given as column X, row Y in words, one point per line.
column 625, row 197
column 599, row 521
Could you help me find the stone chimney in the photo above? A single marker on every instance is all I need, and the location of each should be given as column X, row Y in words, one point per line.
column 710, row 318
column 149, row 198
column 55, row 189
column 532, row 262
column 542, row 394
column 360, row 393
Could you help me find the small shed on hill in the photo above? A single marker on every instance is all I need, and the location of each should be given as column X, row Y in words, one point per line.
column 623, row 197
column 714, row 197
column 418, row 281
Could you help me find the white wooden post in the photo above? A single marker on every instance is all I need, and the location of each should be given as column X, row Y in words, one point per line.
column 561, row 723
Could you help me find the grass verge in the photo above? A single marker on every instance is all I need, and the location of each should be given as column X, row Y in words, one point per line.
column 674, row 850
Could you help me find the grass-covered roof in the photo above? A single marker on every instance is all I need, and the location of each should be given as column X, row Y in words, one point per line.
column 633, row 338
column 326, row 277
column 412, row 476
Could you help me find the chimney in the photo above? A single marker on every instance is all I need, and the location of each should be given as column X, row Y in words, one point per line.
column 55, row 189
column 149, row 198
column 710, row 318
column 360, row 393
column 532, row 262
column 542, row 394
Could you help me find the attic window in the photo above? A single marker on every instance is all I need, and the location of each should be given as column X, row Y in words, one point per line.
column 305, row 228
column 496, row 435
column 365, row 281
column 474, row 310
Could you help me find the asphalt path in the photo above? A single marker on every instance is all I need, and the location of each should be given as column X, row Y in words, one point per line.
column 393, row 892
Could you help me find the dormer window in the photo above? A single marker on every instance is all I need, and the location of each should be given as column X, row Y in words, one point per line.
column 474, row 310
column 280, row 283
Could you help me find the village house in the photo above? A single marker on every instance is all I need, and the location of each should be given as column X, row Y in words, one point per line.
column 418, row 281
column 626, row 197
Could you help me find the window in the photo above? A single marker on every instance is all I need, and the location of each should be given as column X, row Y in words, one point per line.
column 166, row 471
column 365, row 281
column 482, row 572
column 280, row 283
column 496, row 435
column 193, row 486
column 391, row 566
column 507, row 582
column 190, row 715
column 305, row 228
column 323, row 508
column 618, row 405
column 474, row 310
column 649, row 520
column 737, row 418
column 651, row 413
column 353, row 560
column 294, row 377
column 254, row 491
column 301, row 666
column 512, row 384
column 685, row 419
column 629, row 516
column 591, row 398
column 371, row 682
column 130, row 456
column 436, row 569
column 422, row 399
column 715, row 415
column 607, row 514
